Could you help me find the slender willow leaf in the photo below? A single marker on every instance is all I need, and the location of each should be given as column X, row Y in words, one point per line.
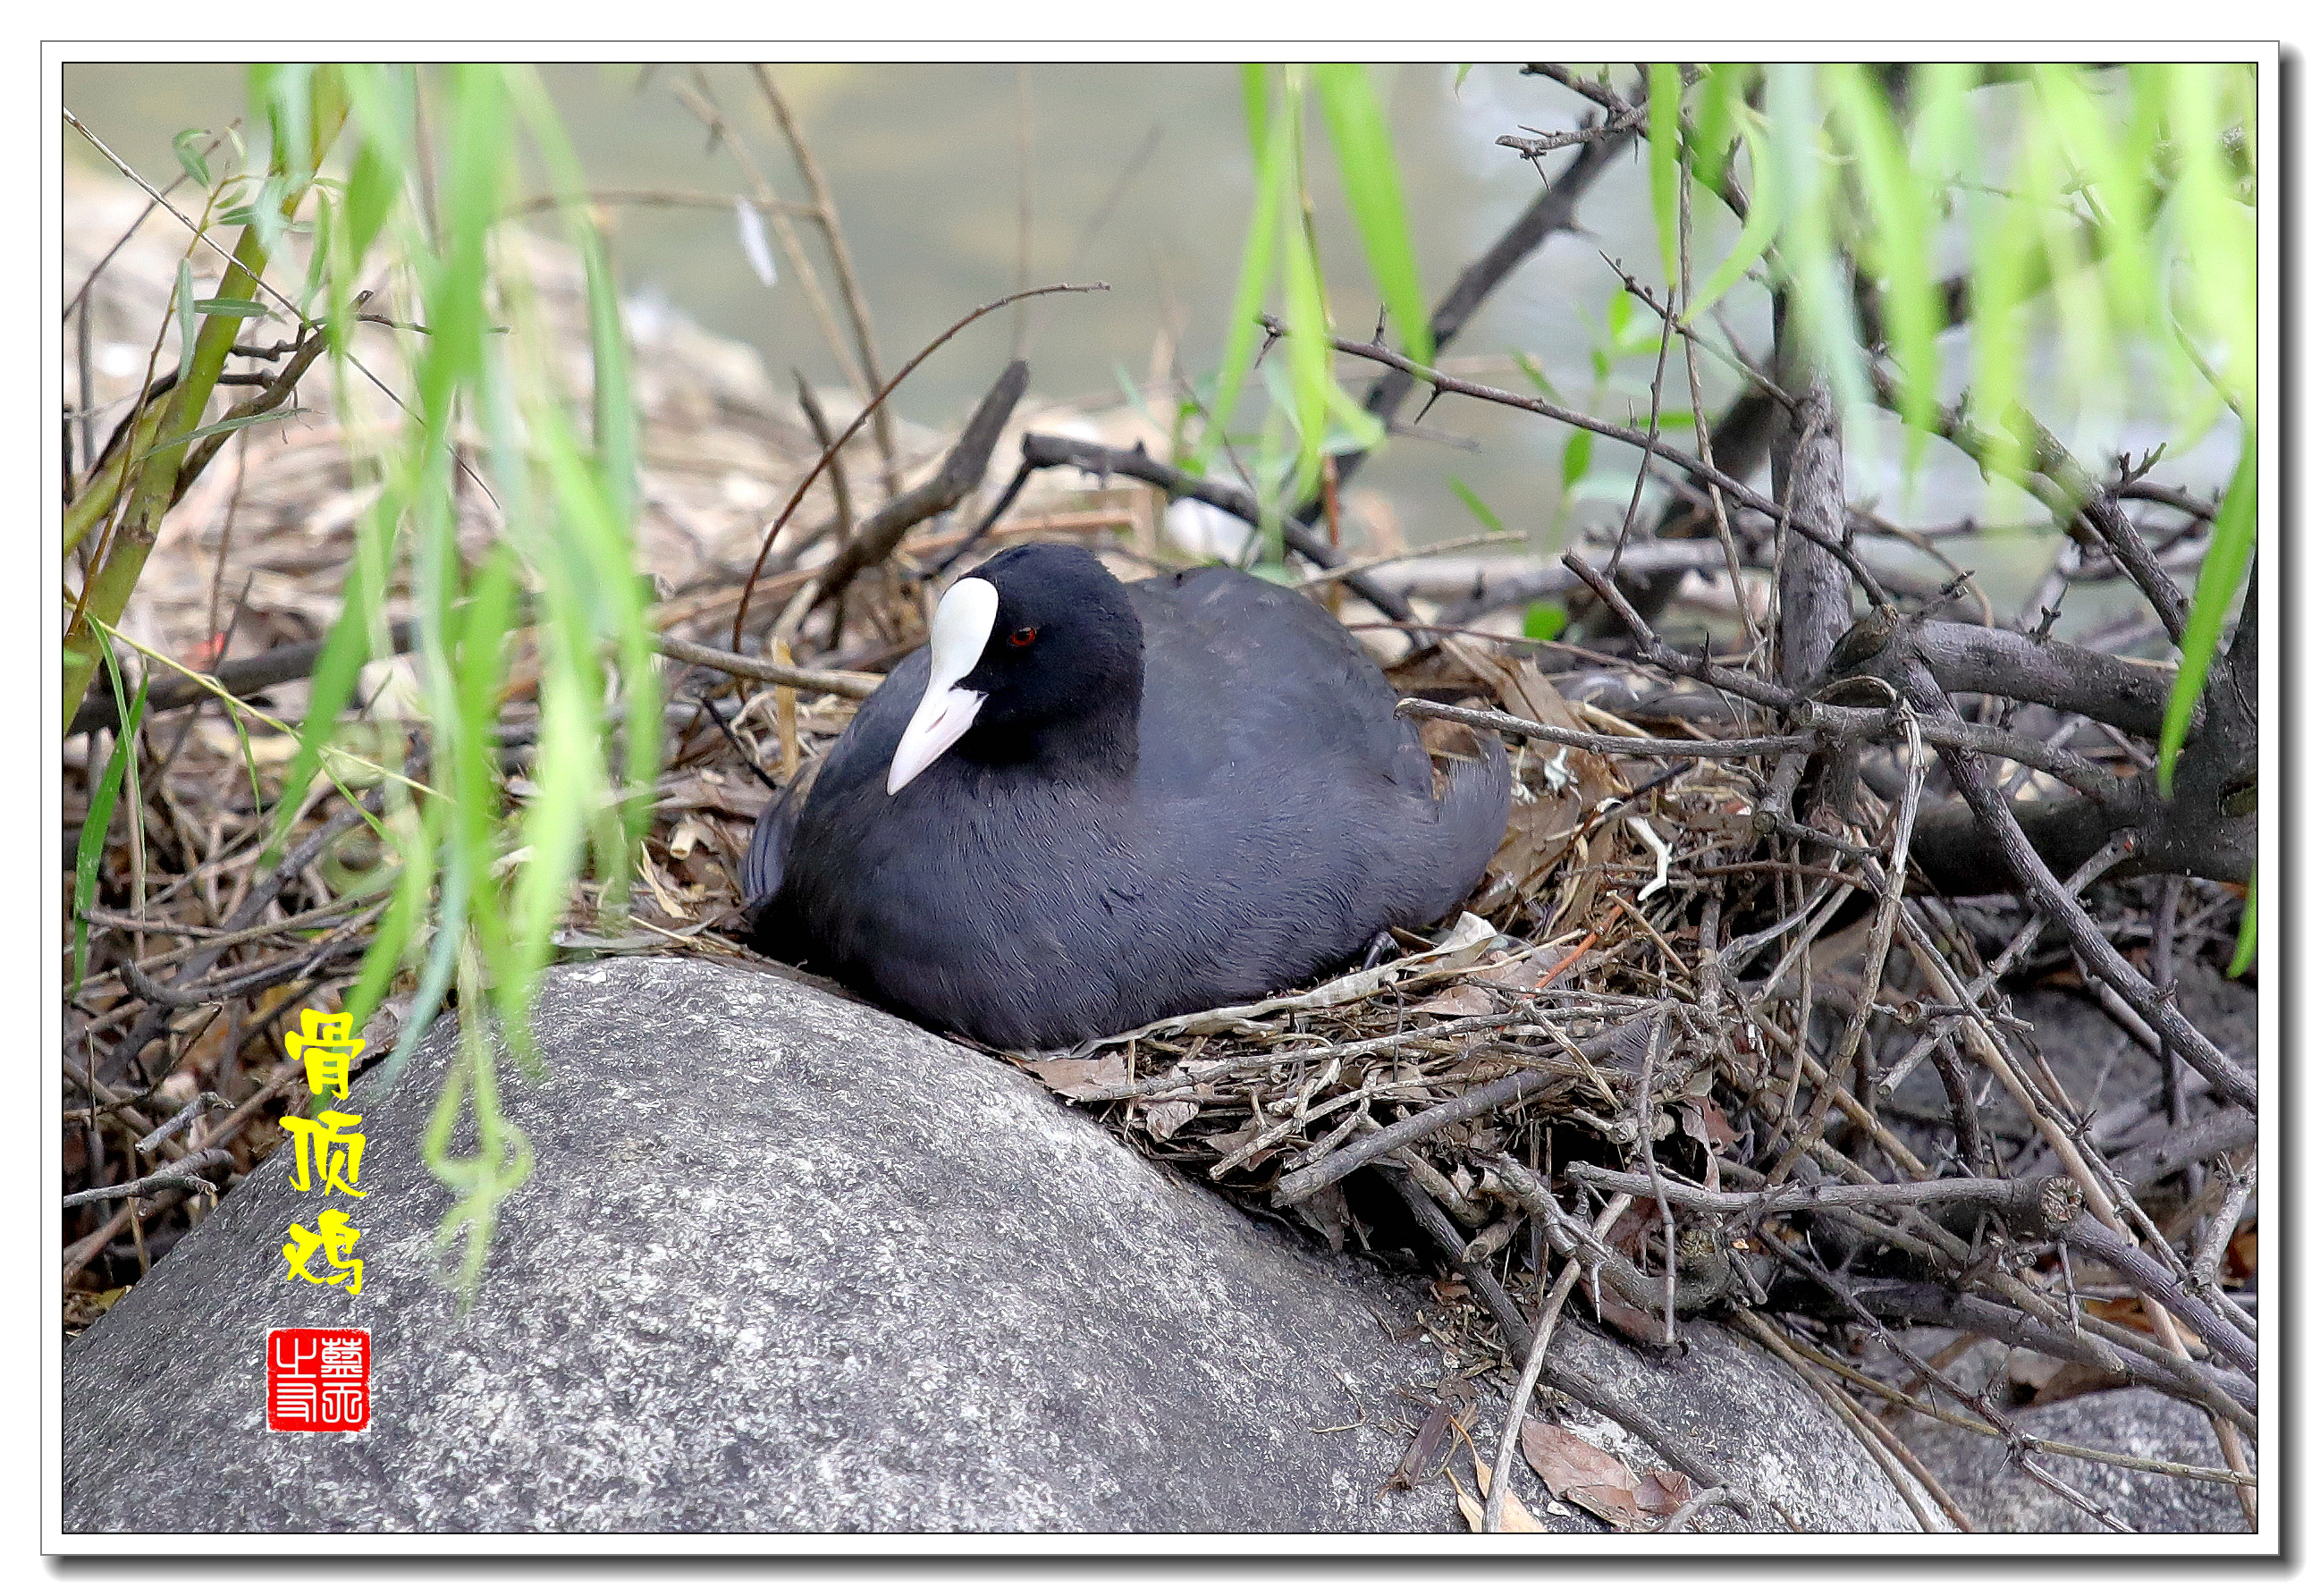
column 1304, row 306
column 1578, row 455
column 2004, row 234
column 1665, row 113
column 414, row 883
column 1480, row 511
column 2112, row 164
column 2090, row 343
column 2218, row 231
column 1900, row 228
column 2220, row 573
column 1256, row 275
column 1257, row 106
column 189, row 159
column 1357, row 127
column 1545, row 623
column 233, row 424
column 1533, row 374
column 1310, row 381
column 1810, row 261
column 2243, row 950
column 1756, row 234
column 345, row 651
column 1714, row 129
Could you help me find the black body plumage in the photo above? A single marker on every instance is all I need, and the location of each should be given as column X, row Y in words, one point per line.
column 1175, row 794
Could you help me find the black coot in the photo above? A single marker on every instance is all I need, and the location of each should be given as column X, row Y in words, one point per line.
column 1085, row 805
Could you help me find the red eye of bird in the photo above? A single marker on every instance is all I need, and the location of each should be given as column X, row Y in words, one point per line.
column 1022, row 635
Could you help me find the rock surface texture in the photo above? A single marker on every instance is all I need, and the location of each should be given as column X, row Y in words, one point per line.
column 2002, row 1500
column 786, row 1263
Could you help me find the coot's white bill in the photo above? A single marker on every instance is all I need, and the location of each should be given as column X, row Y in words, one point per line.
column 960, row 633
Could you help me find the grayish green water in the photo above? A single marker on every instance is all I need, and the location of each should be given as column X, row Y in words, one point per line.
column 925, row 163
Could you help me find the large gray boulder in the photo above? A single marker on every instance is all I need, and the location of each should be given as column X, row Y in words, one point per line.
column 787, row 1263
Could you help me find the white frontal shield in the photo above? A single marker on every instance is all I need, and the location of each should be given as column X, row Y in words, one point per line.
column 962, row 630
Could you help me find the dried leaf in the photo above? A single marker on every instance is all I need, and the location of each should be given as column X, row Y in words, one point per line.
column 1459, row 1002
column 1540, row 833
column 1513, row 1517
column 1326, row 1212
column 1562, row 786
column 1705, row 1123
column 1070, row 1077
column 1590, row 1476
column 2059, row 1381
column 2239, row 1256
column 1616, row 1310
column 1576, row 907
column 1662, row 1492
column 1163, row 1120
column 1469, row 1506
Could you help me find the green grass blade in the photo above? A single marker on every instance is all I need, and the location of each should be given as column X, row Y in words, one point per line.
column 99, row 821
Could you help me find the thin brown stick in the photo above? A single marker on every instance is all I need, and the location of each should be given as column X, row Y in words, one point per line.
column 841, row 260
column 1740, row 492
column 1518, row 1405
column 774, row 530
column 845, row 684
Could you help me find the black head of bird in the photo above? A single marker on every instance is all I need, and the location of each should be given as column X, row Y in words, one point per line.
column 1037, row 656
